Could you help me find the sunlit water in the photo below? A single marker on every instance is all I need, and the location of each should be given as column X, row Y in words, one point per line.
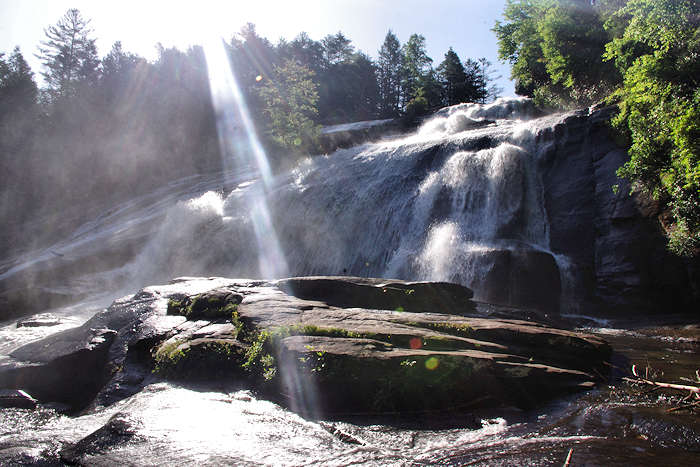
column 213, row 425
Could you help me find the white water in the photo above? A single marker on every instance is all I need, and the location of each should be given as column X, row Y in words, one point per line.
column 430, row 205
column 425, row 206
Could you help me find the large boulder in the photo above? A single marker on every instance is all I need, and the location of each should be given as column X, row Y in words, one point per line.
column 382, row 294
column 346, row 345
column 521, row 277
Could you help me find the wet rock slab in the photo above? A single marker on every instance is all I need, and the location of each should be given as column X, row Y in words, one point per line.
column 319, row 345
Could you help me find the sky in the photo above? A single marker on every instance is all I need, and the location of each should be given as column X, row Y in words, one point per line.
column 464, row 25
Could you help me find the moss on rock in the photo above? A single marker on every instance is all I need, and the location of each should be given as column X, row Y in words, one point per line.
column 213, row 305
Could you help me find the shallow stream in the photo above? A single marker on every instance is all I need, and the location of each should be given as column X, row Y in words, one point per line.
column 169, row 424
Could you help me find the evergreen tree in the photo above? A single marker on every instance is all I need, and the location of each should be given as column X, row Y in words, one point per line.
column 17, row 87
column 416, row 65
column 337, row 48
column 453, row 79
column 489, row 78
column 305, row 51
column 118, row 62
column 69, row 55
column 389, row 69
column 349, row 91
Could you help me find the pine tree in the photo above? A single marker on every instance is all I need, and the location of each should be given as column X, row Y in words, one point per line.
column 453, row 79
column 416, row 66
column 389, row 75
column 337, row 48
column 476, row 87
column 69, row 55
column 17, row 86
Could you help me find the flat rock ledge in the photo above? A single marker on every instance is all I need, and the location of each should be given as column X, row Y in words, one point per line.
column 319, row 345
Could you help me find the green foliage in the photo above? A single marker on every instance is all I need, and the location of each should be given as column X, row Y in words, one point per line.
column 69, row 55
column 349, row 90
column 643, row 54
column 415, row 67
column 573, row 42
column 259, row 358
column 463, row 83
column 337, row 48
column 555, row 48
column 18, row 91
column 520, row 44
column 389, row 66
column 290, row 99
column 659, row 57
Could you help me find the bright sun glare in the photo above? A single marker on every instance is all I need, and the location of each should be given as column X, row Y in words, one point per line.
column 240, row 146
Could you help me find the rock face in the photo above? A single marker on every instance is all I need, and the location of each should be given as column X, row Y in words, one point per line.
column 342, row 345
column 523, row 276
column 617, row 252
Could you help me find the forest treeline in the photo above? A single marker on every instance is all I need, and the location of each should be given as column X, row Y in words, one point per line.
column 100, row 130
column 641, row 54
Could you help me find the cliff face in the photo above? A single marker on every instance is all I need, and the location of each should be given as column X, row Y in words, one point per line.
column 613, row 240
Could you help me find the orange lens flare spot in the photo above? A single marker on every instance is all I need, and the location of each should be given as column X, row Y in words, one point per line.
column 258, row 78
column 416, row 343
column 432, row 363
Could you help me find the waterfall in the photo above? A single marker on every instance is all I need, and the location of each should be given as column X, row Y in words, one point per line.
column 459, row 200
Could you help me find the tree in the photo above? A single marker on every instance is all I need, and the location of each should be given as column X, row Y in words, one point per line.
column 555, row 48
column 349, row 91
column 520, row 44
column 390, row 63
column 416, row 65
column 290, row 99
column 305, row 51
column 17, row 87
column 658, row 55
column 337, row 48
column 573, row 42
column 118, row 62
column 453, row 79
column 489, row 78
column 69, row 55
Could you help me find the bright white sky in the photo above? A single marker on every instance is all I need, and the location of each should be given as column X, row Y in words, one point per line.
column 463, row 24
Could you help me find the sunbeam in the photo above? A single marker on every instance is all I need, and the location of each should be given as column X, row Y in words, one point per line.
column 240, row 147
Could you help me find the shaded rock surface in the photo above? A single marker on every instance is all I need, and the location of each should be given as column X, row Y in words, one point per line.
column 351, row 134
column 616, row 250
column 314, row 356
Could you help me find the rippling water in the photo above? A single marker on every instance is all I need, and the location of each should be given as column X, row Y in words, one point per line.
column 169, row 424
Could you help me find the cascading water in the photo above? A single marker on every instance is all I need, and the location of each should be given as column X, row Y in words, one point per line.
column 459, row 200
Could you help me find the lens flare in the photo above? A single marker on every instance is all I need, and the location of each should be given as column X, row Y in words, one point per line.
column 416, row 343
column 432, row 363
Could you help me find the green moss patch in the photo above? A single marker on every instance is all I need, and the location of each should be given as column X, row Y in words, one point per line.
column 199, row 358
column 215, row 305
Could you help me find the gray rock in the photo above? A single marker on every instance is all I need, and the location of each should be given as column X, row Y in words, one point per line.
column 344, row 342
column 381, row 294
column 16, row 398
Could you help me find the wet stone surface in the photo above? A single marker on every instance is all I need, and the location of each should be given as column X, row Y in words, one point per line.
column 348, row 345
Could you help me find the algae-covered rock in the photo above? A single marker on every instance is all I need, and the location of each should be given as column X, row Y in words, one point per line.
column 321, row 345
column 214, row 304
